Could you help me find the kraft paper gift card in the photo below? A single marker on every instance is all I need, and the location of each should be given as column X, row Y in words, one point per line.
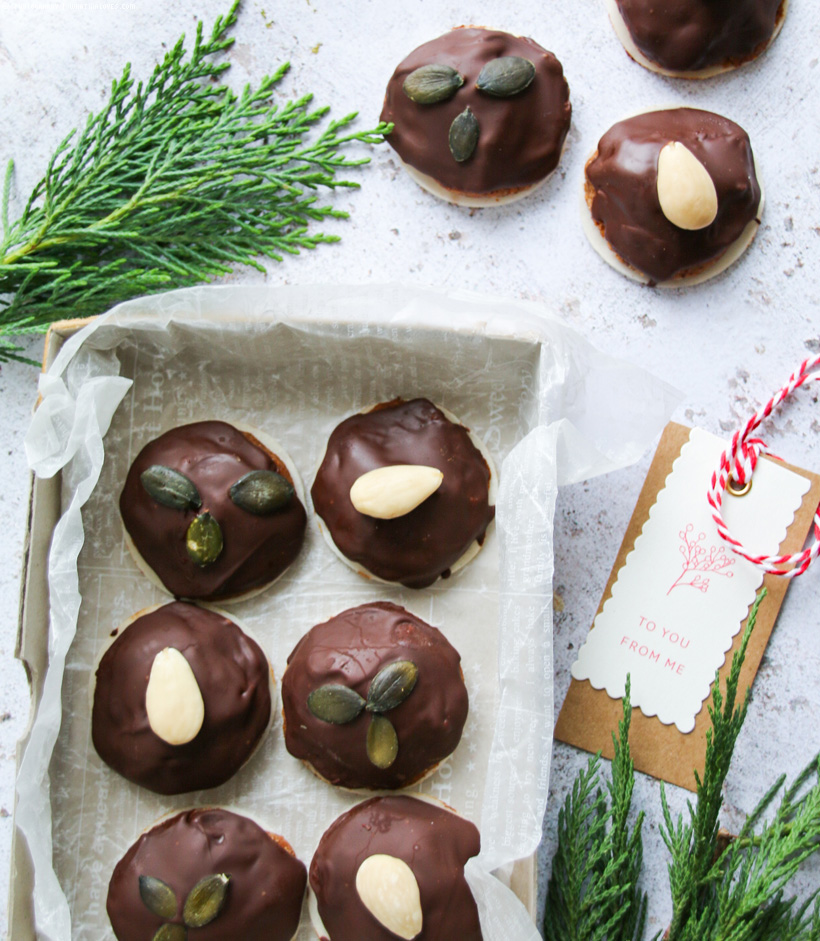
column 676, row 601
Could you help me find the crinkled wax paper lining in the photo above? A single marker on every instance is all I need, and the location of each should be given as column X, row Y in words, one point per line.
column 294, row 361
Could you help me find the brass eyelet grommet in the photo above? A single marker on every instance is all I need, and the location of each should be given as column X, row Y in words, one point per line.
column 733, row 488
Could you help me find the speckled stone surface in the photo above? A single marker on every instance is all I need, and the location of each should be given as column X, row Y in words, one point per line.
column 727, row 344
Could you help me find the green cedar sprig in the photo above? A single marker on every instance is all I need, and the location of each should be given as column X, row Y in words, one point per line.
column 746, row 885
column 173, row 183
column 693, row 845
column 724, row 887
column 593, row 892
column 732, row 888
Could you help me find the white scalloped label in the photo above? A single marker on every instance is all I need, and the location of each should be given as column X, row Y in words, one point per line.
column 682, row 594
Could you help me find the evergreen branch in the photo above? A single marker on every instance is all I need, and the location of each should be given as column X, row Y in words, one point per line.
column 631, row 902
column 753, row 872
column 593, row 893
column 723, row 888
column 693, row 846
column 6, row 194
column 174, row 182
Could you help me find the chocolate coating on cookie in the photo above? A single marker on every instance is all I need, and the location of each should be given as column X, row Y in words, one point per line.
column 234, row 679
column 264, row 893
column 434, row 843
column 622, row 187
column 690, row 35
column 350, row 650
column 520, row 137
column 256, row 549
column 417, row 548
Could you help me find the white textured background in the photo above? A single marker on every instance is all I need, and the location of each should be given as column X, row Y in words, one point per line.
column 727, row 344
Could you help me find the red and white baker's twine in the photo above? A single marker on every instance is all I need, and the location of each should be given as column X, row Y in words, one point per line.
column 738, row 463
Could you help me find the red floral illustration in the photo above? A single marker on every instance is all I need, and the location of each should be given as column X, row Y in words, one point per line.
column 697, row 561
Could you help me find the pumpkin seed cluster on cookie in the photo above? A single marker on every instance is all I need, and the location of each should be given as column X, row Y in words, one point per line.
column 480, row 116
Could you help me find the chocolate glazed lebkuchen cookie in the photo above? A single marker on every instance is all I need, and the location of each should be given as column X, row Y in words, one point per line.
column 480, row 116
column 182, row 699
column 405, row 493
column 213, row 512
column 373, row 698
column 696, row 38
column 394, row 867
column 210, row 875
column 672, row 196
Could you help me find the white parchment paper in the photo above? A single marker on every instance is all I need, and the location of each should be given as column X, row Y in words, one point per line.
column 293, row 362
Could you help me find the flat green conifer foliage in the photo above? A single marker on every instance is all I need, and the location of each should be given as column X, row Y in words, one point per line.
column 723, row 887
column 173, row 183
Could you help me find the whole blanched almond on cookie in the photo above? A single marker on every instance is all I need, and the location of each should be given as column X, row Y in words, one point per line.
column 394, row 867
column 671, row 197
column 395, row 490
column 405, row 493
column 181, row 700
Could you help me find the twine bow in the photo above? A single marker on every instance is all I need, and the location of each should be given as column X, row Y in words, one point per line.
column 737, row 465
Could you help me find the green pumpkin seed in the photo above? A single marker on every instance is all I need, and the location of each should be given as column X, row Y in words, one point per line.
column 463, row 135
column 158, row 897
column 261, row 492
column 505, row 76
column 382, row 742
column 432, row 83
column 170, row 488
column 335, row 703
column 204, row 539
column 171, row 933
column 392, row 686
column 206, row 900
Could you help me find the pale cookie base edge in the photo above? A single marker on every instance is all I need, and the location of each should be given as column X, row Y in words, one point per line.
column 434, row 188
column 623, row 34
